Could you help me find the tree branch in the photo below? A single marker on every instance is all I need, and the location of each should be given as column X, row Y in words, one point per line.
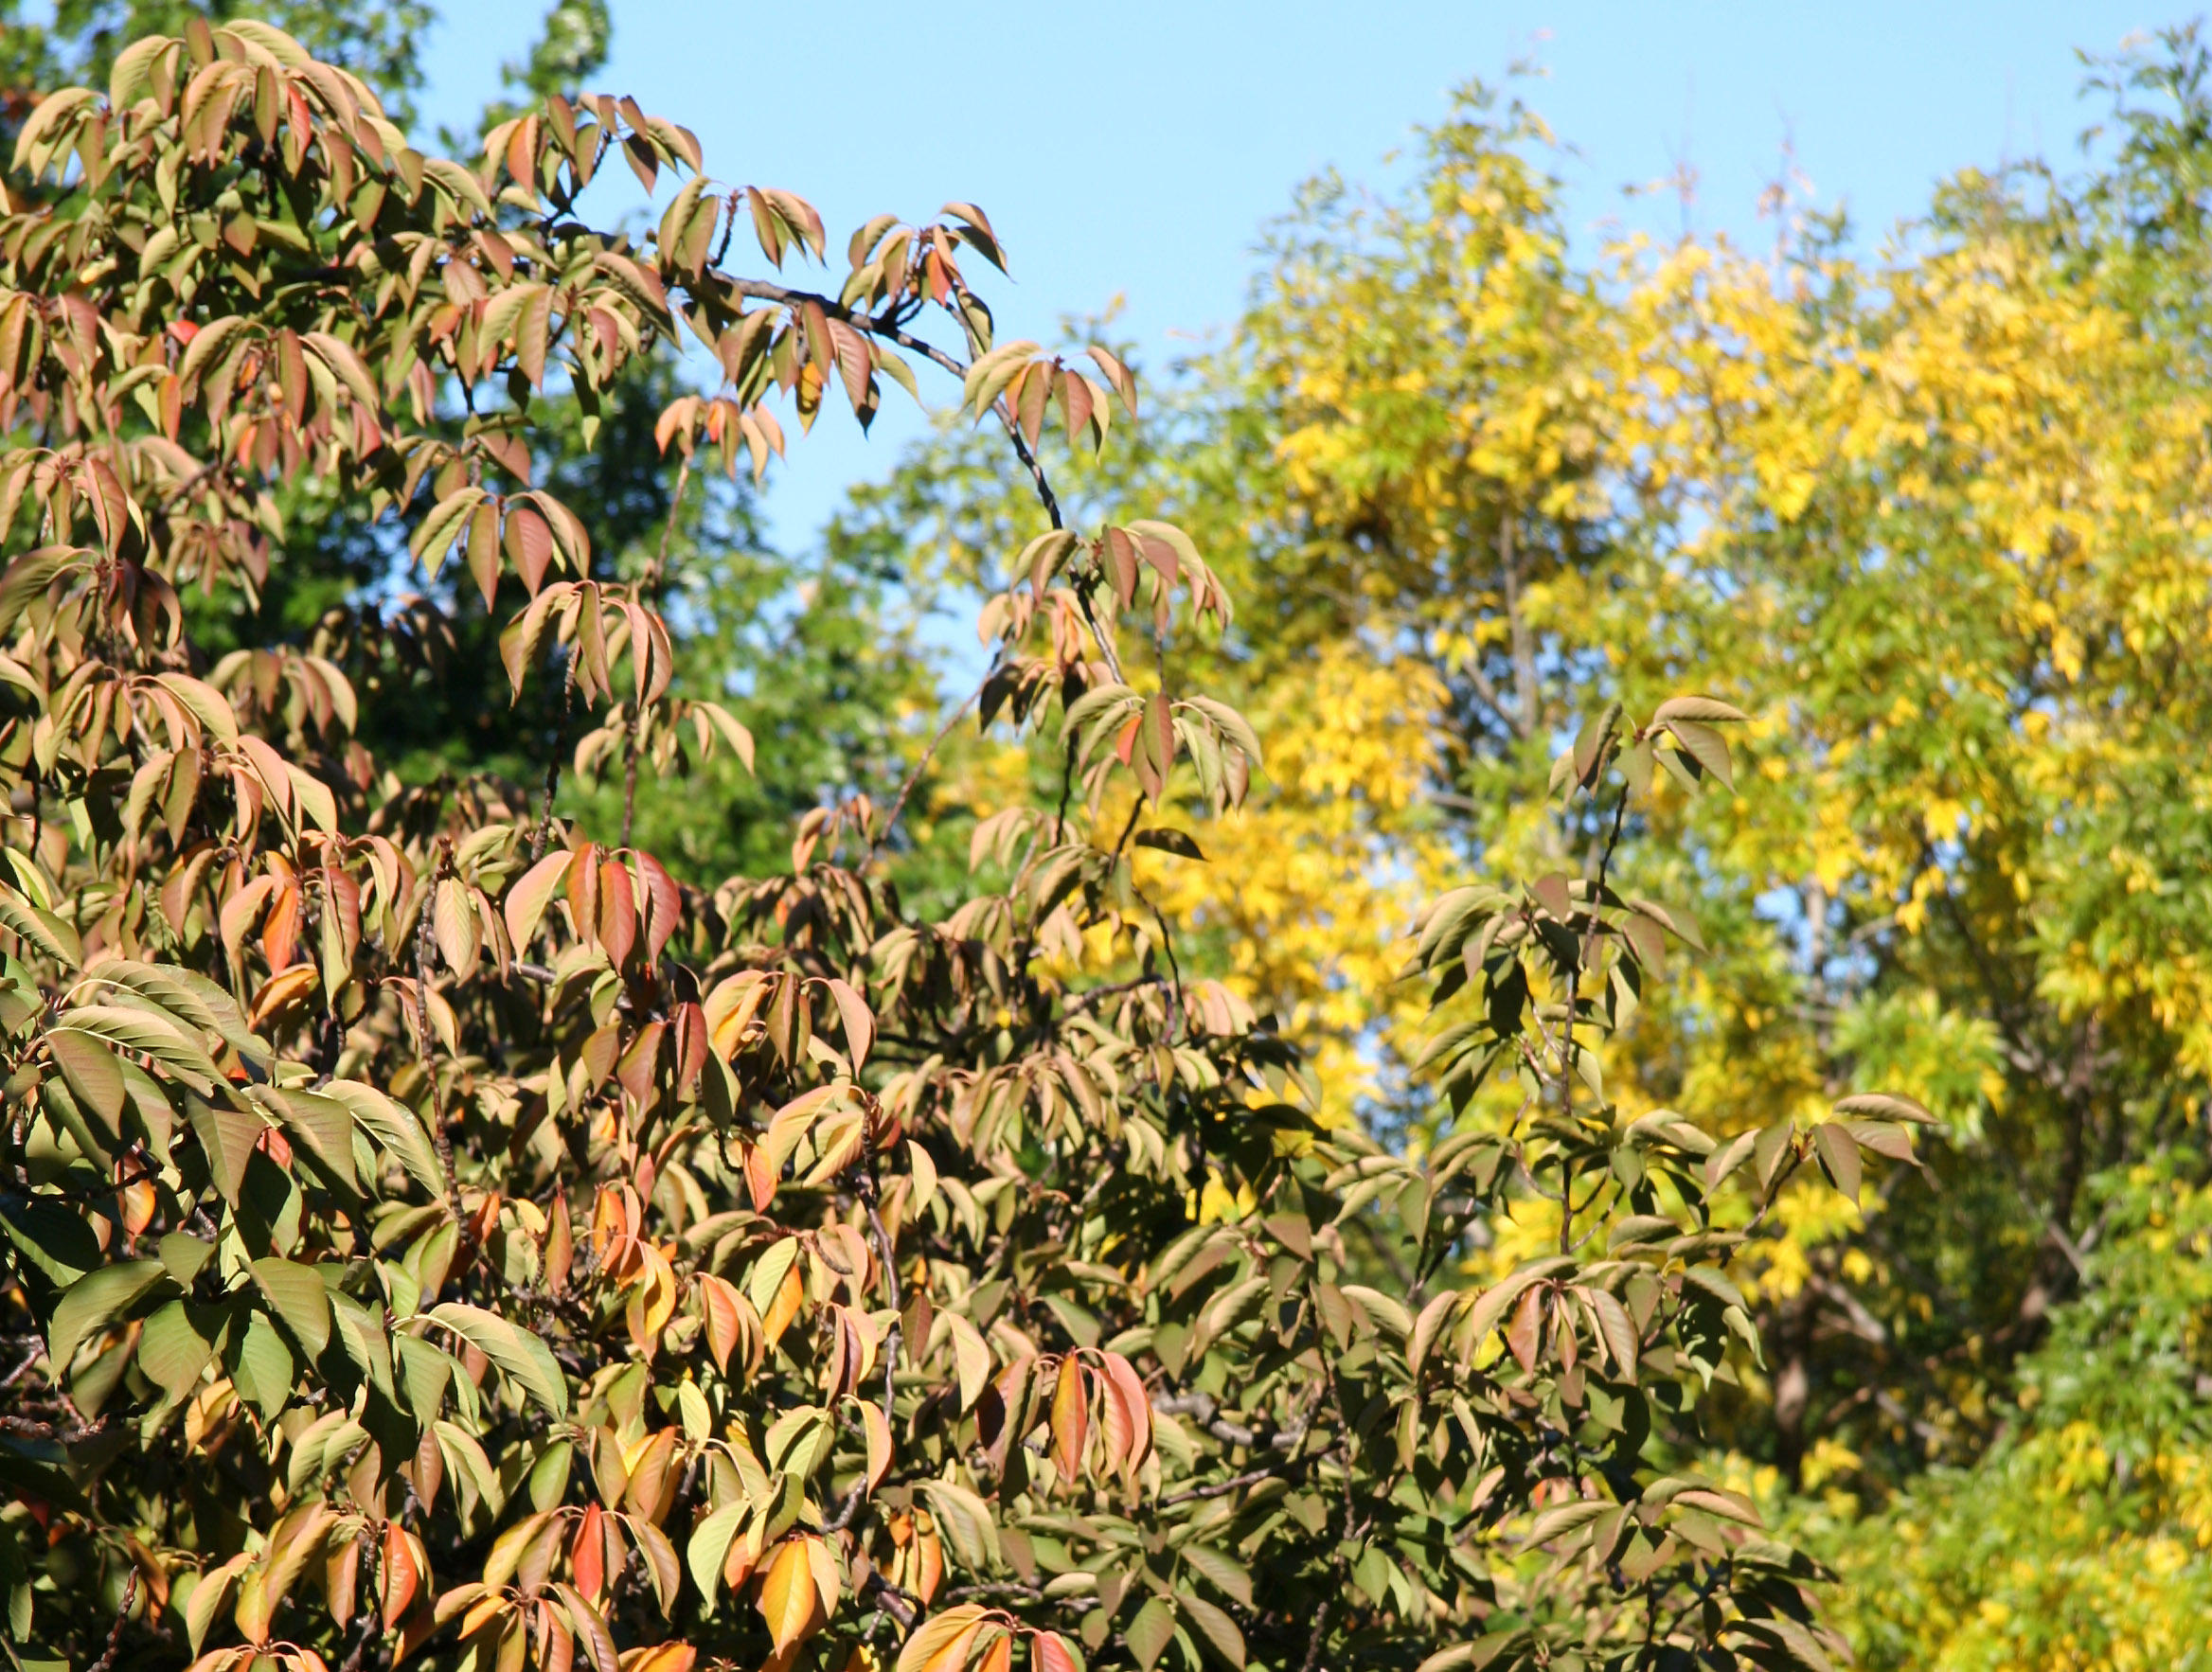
column 886, row 326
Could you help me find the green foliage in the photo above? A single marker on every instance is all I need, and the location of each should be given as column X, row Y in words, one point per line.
column 2074, row 1539
column 76, row 40
column 571, row 49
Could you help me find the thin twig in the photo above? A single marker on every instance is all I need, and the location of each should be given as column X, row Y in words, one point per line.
column 1313, row 1643
column 1568, row 1049
column 438, row 1135
column 553, row 764
column 1067, row 775
column 891, row 1340
column 1175, row 1021
column 122, row 1617
column 921, row 766
column 656, row 576
column 995, row 1588
column 882, row 325
column 38, row 1348
column 1136, row 809
column 893, row 1601
column 1092, row 995
column 366, row 1630
column 886, row 326
column 1220, row 1489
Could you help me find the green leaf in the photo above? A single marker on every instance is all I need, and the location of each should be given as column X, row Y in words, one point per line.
column 362, row 1332
column 260, row 1365
column 1713, row 1282
column 530, row 893
column 1149, row 1632
column 1618, row 1330
column 457, row 184
column 34, row 1468
column 145, row 1028
column 345, row 365
column 94, row 1302
column 425, row 1371
column 549, row 1474
column 514, row 1349
column 1707, row 709
column 395, row 1127
column 185, row 1256
column 441, row 526
column 1565, row 1517
column 132, row 73
column 970, row 1358
column 64, row 1111
column 1170, row 840
column 1491, row 1307
column 296, row 1296
column 187, row 998
column 229, row 1135
column 93, row 1072
column 987, row 378
column 1886, row 1106
column 1706, row 747
column 40, row 928
column 1219, row 1630
column 710, row 1545
column 57, row 1242
column 323, row 1127
column 173, row 1348
column 1227, row 1572
column 965, row 1517
column 768, row 1273
column 468, row 1467
column 321, row 1449
column 1839, row 1153
column 638, row 284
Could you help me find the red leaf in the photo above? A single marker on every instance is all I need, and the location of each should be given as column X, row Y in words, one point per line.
column 587, row 1556
column 617, row 928
column 529, row 547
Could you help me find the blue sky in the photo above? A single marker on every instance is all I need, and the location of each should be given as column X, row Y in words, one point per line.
column 1133, row 149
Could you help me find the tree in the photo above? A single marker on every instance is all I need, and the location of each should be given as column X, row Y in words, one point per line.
column 435, row 1229
column 1933, row 522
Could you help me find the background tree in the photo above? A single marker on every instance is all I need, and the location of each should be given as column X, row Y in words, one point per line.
column 1932, row 522
column 77, row 40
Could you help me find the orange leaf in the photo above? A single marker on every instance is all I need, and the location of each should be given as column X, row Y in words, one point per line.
column 785, row 1307
column 941, row 1643
column 788, row 1599
column 880, row 1450
column 718, row 1305
column 617, row 914
column 402, row 1578
column 1127, row 1413
column 587, row 1556
column 1071, row 1419
column 283, row 990
column 1049, row 1652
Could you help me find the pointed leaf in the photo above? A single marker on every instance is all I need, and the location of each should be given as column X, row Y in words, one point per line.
column 514, row 1349
column 94, row 1302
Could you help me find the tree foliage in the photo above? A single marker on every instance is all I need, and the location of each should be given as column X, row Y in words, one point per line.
column 1934, row 521
column 438, row 1231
